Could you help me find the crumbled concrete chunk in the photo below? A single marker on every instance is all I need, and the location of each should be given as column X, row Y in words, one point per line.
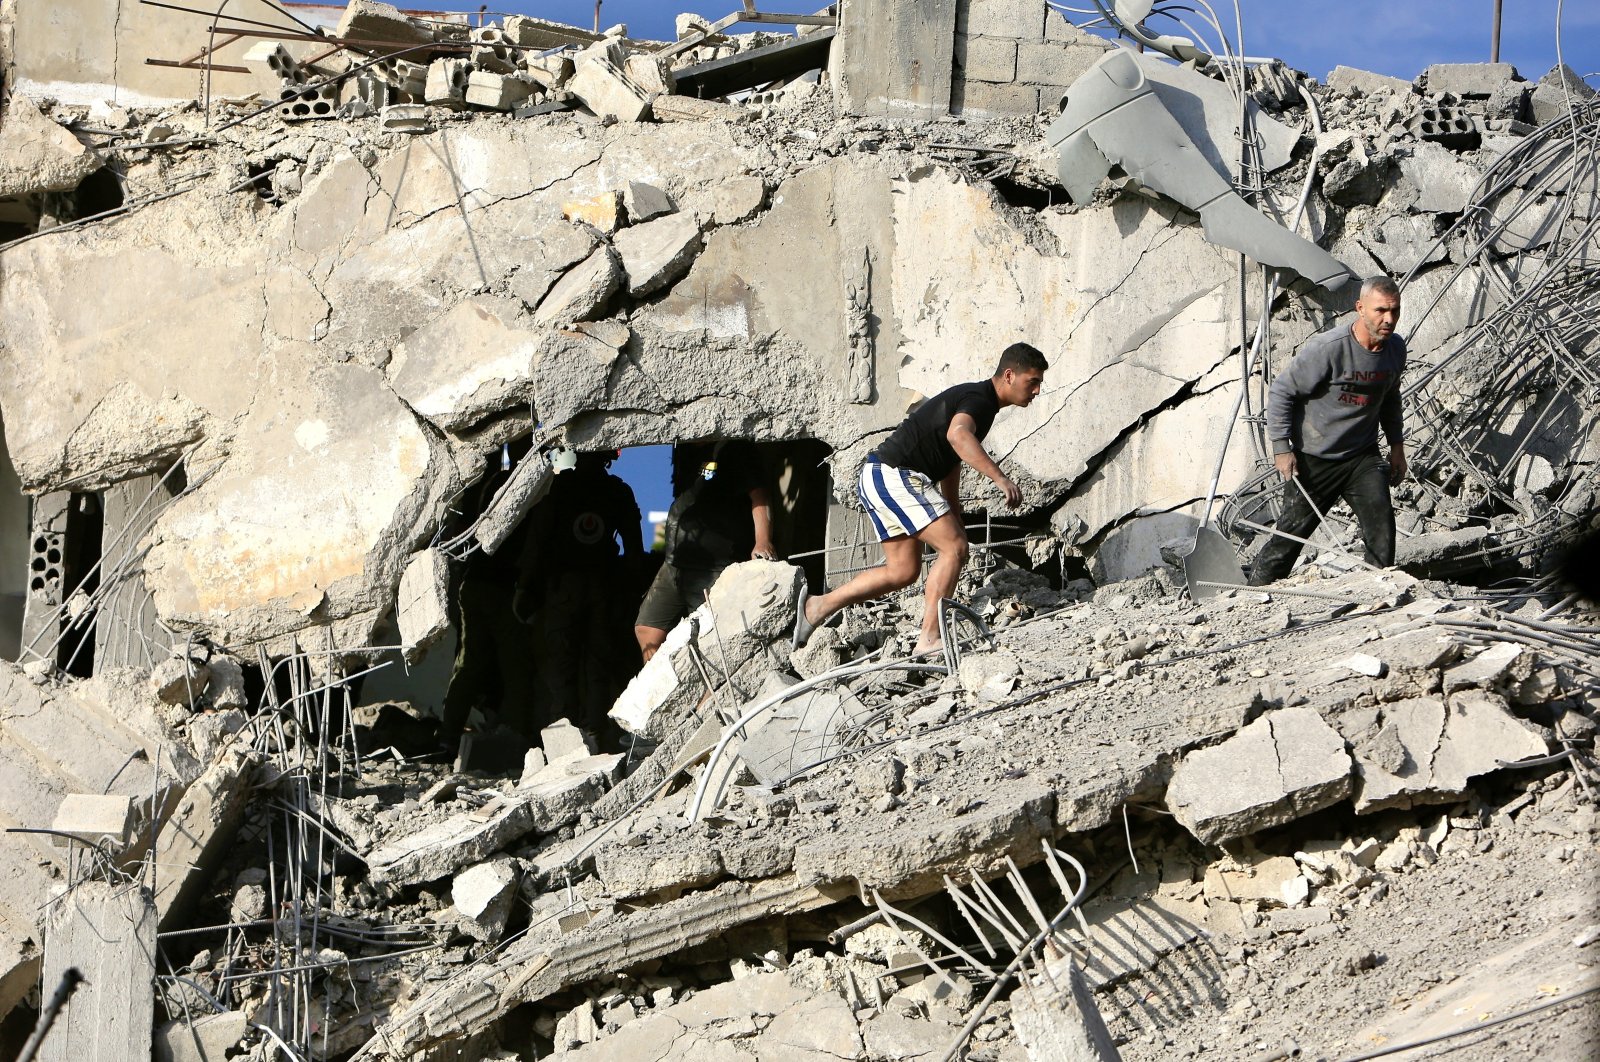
column 1444, row 748
column 483, row 896
column 1286, row 764
column 645, row 201
column 179, row 680
column 989, row 676
column 583, row 290
column 656, row 253
column 1468, row 80
column 37, row 155
column 423, row 610
column 1354, row 81
column 1486, row 670
column 225, row 684
column 603, row 211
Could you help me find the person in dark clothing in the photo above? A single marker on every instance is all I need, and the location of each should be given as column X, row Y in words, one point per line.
column 897, row 488
column 721, row 513
column 492, row 672
column 570, row 577
column 1324, row 414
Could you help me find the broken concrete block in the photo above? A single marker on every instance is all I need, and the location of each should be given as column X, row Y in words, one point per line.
column 483, row 896
column 1363, row 664
column 422, row 610
column 1556, row 93
column 212, row 731
column 735, row 200
column 526, row 487
column 106, row 821
column 651, row 75
column 106, row 932
column 551, row 71
column 603, row 211
column 1286, row 764
column 371, row 21
column 447, row 83
column 563, row 741
column 1468, row 80
column 1057, row 1020
column 1355, row 82
column 629, row 873
column 1265, row 879
column 539, row 33
column 989, row 676
column 656, row 253
column 225, row 683
column 490, row 52
column 37, row 155
column 690, row 109
column 1443, row 181
column 179, row 680
column 572, row 374
column 645, row 201
column 577, row 1027
column 582, row 290
column 607, row 91
column 497, row 92
column 404, row 118
column 467, row 364
column 1436, row 554
column 1487, row 670
column 208, row 1038
column 821, row 1027
column 559, row 794
column 443, row 848
column 1445, row 748
column 660, row 692
column 1419, row 651
column 808, row 728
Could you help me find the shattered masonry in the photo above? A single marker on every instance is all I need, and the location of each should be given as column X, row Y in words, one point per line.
column 310, row 303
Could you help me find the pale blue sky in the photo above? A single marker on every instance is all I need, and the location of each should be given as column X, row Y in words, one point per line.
column 1397, row 37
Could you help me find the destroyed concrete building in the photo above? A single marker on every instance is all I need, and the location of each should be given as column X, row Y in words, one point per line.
column 281, row 282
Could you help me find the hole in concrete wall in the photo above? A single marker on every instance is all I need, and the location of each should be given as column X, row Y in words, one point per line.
column 99, row 192
column 261, row 180
column 1022, row 195
column 543, row 629
column 80, row 558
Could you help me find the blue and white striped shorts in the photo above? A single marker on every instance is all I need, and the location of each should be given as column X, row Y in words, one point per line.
column 899, row 501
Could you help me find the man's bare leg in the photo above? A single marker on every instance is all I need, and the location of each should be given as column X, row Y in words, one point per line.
column 649, row 639
column 902, row 564
column 949, row 538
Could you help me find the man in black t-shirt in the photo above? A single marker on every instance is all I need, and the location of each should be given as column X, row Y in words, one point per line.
column 721, row 513
column 897, row 488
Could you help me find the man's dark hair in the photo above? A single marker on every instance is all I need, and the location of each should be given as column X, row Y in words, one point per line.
column 1380, row 285
column 1022, row 357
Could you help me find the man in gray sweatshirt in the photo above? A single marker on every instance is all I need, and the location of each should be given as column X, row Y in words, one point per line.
column 1323, row 415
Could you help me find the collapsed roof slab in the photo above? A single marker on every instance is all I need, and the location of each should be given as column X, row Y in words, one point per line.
column 760, row 66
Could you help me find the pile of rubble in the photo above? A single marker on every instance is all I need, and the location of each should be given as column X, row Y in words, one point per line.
column 1109, row 818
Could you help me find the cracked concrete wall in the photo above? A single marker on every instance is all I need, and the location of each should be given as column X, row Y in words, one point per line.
column 334, row 367
column 81, row 51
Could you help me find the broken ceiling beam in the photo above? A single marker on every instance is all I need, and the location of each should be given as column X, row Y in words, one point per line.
column 534, row 968
column 747, row 70
column 106, row 932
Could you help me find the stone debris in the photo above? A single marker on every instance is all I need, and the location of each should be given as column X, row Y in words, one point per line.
column 38, row 155
column 1286, row 764
column 519, row 239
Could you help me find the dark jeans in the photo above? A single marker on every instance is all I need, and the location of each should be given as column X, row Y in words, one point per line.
column 1362, row 480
